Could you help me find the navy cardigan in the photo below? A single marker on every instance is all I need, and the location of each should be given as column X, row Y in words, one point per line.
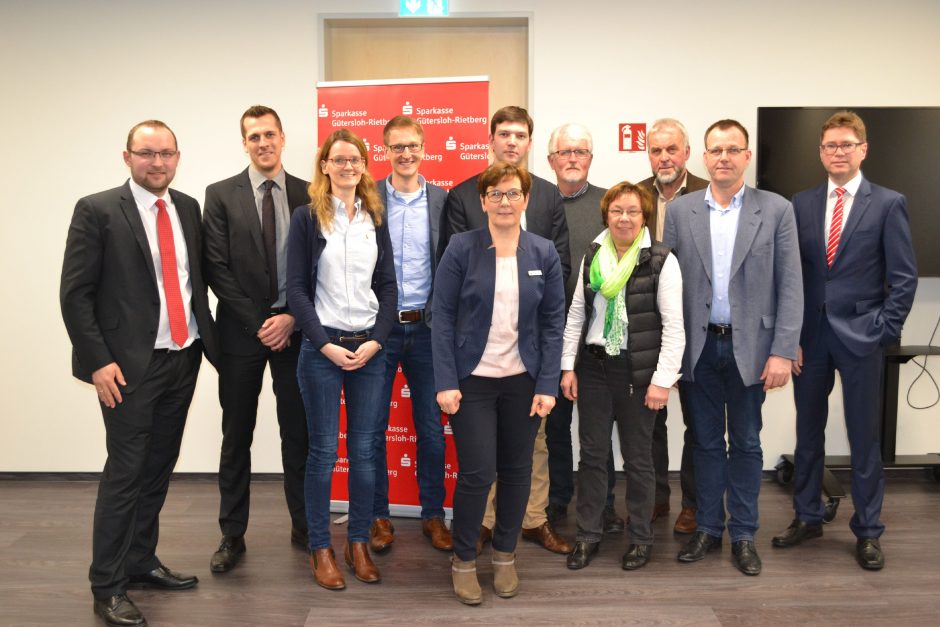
column 305, row 243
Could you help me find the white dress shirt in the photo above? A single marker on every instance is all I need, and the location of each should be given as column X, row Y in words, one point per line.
column 344, row 298
column 147, row 206
column 669, row 302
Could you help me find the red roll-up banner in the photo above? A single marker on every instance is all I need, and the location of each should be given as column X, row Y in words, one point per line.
column 453, row 113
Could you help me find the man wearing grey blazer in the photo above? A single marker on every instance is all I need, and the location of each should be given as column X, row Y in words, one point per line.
column 743, row 307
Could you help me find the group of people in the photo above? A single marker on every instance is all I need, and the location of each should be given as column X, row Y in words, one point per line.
column 715, row 287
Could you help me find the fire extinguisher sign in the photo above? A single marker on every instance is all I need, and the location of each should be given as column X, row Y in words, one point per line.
column 633, row 137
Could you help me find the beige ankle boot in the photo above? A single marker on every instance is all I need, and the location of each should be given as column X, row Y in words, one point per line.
column 466, row 586
column 505, row 579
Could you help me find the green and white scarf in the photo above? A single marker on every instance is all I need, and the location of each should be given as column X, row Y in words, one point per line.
column 609, row 275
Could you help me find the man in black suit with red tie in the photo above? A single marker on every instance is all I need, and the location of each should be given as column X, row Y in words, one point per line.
column 245, row 229
column 137, row 313
column 859, row 279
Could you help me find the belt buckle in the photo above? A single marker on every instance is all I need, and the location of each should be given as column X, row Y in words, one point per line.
column 409, row 312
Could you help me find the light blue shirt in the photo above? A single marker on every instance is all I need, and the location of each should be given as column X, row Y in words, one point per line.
column 409, row 226
column 723, row 223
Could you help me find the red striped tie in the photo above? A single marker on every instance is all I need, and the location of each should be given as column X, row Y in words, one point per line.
column 835, row 229
column 179, row 330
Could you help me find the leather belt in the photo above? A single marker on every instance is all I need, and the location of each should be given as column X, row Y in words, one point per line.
column 599, row 352
column 410, row 316
column 276, row 311
column 720, row 329
column 174, row 351
column 357, row 336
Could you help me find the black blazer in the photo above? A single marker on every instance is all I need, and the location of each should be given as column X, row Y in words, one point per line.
column 234, row 257
column 108, row 290
column 545, row 216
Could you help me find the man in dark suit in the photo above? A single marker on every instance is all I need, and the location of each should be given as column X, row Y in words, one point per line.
column 667, row 145
column 510, row 140
column 413, row 213
column 245, row 234
column 137, row 313
column 859, row 279
column 742, row 298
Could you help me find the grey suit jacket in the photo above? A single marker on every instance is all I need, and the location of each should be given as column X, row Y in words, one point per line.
column 437, row 196
column 766, row 284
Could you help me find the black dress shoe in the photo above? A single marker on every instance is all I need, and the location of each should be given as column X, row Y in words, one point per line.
column 612, row 522
column 696, row 548
column 298, row 537
column 745, row 557
column 556, row 513
column 163, row 578
column 581, row 555
column 637, row 556
column 868, row 553
column 119, row 610
column 796, row 533
column 229, row 553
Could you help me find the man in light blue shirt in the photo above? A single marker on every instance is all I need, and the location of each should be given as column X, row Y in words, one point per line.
column 413, row 209
column 743, row 307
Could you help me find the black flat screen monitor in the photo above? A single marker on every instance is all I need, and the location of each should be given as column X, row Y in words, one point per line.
column 903, row 154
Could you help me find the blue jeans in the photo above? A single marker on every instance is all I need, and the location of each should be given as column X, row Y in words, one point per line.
column 321, row 382
column 410, row 344
column 720, row 468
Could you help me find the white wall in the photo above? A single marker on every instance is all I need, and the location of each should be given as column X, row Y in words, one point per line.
column 78, row 75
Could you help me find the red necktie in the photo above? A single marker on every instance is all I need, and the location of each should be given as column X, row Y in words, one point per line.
column 179, row 330
column 835, row 229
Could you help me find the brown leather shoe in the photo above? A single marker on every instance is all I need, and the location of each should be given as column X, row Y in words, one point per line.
column 660, row 509
column 435, row 529
column 323, row 566
column 486, row 535
column 358, row 559
column 685, row 523
column 546, row 536
column 381, row 534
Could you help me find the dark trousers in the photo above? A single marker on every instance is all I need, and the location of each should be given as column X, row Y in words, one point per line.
column 561, row 457
column 861, row 399
column 494, row 436
column 721, row 402
column 240, row 381
column 143, row 442
column 410, row 345
column 661, row 456
column 604, row 397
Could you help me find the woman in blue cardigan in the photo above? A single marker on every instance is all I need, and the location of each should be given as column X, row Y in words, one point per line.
column 499, row 315
column 341, row 288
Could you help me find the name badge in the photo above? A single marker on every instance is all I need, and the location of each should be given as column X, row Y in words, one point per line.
column 535, row 273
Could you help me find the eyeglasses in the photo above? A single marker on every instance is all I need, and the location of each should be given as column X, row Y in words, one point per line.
column 579, row 153
column 847, row 148
column 495, row 196
column 340, row 162
column 150, row 155
column 619, row 213
column 733, row 151
column 400, row 148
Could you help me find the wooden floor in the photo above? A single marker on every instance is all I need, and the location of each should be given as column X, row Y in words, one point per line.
column 45, row 540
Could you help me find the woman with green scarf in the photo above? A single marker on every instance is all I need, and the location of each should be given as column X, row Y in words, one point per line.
column 622, row 352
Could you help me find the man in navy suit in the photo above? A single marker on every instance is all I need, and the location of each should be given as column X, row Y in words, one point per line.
column 413, row 211
column 859, row 279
